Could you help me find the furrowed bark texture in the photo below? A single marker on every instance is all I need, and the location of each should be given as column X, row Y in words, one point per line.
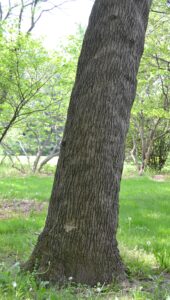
column 79, row 238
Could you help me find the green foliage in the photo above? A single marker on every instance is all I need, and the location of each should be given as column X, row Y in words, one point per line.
column 55, row 73
column 151, row 110
column 35, row 136
column 25, row 68
column 32, row 79
column 159, row 153
column 153, row 75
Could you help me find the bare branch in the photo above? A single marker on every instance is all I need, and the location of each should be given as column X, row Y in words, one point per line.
column 9, row 11
column 35, row 20
column 159, row 12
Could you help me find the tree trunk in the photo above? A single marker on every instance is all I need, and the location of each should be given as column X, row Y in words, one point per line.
column 147, row 144
column 79, row 238
column 53, row 153
column 134, row 154
column 37, row 159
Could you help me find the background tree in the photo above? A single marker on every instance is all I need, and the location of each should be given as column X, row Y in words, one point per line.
column 150, row 125
column 50, row 107
column 79, row 238
column 22, row 58
column 26, row 68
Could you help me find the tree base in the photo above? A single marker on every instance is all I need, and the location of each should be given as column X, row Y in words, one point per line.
column 58, row 267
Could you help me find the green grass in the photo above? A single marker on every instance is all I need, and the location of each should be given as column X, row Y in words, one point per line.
column 26, row 187
column 143, row 236
column 17, row 236
column 145, row 218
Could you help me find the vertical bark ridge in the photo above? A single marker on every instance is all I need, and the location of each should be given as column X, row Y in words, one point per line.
column 79, row 238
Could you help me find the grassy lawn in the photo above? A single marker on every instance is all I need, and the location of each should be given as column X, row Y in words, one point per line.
column 144, row 231
column 145, row 218
column 32, row 187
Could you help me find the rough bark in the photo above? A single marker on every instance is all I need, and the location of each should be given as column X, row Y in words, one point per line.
column 79, row 238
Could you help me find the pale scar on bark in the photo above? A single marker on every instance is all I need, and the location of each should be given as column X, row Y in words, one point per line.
column 69, row 226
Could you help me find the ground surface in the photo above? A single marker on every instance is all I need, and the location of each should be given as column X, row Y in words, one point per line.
column 143, row 236
column 11, row 209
